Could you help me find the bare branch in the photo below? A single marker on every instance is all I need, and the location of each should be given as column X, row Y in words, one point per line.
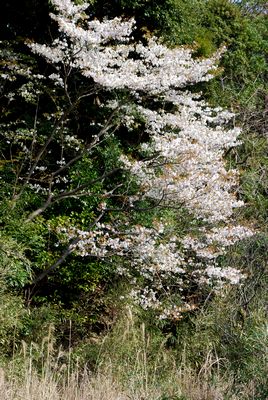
column 71, row 193
column 69, row 250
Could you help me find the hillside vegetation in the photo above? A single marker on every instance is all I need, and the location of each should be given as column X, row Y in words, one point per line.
column 134, row 200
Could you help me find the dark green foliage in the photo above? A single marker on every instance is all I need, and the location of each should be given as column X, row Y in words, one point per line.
column 28, row 18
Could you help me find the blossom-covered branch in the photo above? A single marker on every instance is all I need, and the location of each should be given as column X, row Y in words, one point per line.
column 181, row 161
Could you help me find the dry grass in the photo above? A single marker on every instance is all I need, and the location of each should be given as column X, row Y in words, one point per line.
column 48, row 388
column 111, row 382
column 184, row 385
column 131, row 367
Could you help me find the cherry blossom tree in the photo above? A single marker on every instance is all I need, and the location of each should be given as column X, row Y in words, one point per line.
column 179, row 164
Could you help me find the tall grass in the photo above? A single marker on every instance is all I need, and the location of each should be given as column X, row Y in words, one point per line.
column 105, row 385
column 132, row 364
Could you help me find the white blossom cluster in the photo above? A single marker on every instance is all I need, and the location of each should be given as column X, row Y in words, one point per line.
column 231, row 274
column 57, row 79
column 154, row 69
column 139, row 244
column 214, row 242
column 190, row 152
column 73, row 141
column 184, row 162
column 69, row 10
column 141, row 252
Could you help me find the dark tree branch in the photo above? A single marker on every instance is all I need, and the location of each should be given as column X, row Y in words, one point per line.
column 71, row 193
column 70, row 249
column 64, row 116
